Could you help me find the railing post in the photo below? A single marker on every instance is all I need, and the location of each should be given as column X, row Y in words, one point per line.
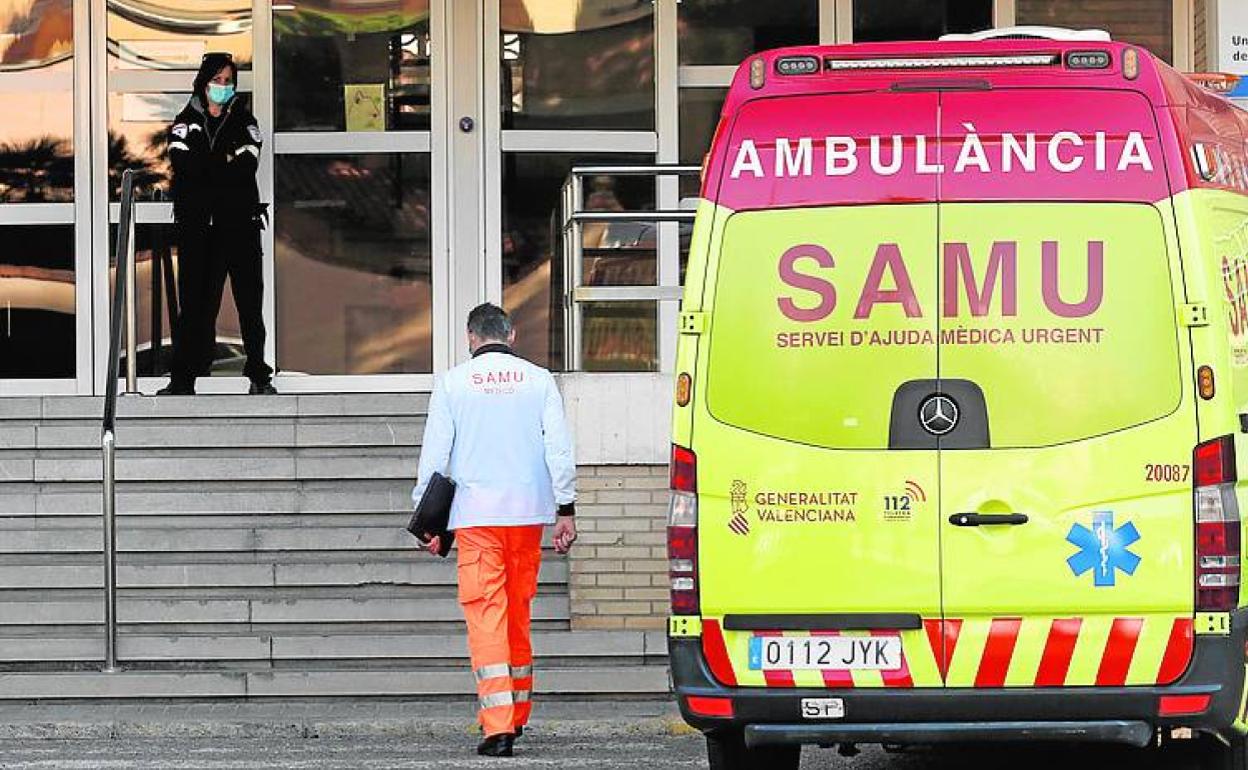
column 109, row 445
column 132, row 315
column 574, row 216
column 577, row 194
column 122, row 304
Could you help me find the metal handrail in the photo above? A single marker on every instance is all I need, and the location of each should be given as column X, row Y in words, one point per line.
column 574, row 216
column 123, row 302
column 663, row 169
column 631, row 216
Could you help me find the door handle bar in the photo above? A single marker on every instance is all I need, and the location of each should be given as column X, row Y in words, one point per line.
column 986, row 520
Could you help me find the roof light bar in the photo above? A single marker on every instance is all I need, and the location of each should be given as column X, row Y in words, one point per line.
column 944, row 62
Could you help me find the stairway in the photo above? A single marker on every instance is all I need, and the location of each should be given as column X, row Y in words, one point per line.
column 261, row 554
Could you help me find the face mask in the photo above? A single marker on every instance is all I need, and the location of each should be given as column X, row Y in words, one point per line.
column 220, row 94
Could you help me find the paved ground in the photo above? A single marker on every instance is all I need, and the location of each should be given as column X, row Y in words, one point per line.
column 384, row 735
column 609, row 753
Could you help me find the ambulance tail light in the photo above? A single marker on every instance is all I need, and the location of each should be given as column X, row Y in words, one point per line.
column 682, row 532
column 1218, row 543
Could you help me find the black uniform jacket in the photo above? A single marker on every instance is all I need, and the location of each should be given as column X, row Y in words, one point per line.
column 214, row 173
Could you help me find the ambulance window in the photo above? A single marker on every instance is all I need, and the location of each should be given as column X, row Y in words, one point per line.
column 817, row 323
column 1063, row 314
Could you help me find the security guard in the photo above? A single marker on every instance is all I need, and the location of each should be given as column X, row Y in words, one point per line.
column 496, row 428
column 214, row 148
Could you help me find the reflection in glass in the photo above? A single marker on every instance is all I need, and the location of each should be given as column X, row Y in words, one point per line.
column 533, row 270
column 1148, row 23
column 36, row 133
column 138, row 135
column 699, row 115
column 727, row 31
column 918, row 19
column 328, row 53
column 175, row 34
column 354, row 283
column 156, row 265
column 620, row 337
column 588, row 64
column 37, row 302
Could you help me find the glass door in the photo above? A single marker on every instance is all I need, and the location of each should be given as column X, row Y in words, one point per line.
column 45, row 327
column 344, row 95
column 358, row 240
column 142, row 70
column 577, row 84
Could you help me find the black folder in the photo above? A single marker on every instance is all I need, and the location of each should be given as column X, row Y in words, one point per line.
column 433, row 513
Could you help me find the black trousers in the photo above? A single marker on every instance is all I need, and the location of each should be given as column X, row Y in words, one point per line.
column 207, row 255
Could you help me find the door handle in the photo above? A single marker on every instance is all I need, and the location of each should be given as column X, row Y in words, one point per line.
column 988, row 520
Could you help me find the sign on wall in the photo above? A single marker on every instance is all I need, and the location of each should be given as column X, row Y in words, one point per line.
column 1233, row 41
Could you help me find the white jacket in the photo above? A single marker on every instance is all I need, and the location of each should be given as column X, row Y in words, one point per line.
column 496, row 428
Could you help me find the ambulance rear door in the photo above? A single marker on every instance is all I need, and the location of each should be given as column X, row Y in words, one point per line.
column 1066, row 483
column 819, row 561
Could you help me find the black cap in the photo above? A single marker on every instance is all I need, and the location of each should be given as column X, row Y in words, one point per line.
column 210, row 66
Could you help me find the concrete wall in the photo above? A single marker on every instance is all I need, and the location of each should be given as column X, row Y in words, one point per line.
column 619, row 419
column 618, row 569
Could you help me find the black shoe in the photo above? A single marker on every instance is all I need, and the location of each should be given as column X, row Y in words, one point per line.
column 176, row 389
column 497, row 745
column 262, row 389
column 519, row 732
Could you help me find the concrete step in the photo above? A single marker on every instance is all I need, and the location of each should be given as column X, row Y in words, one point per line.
column 191, row 465
column 211, row 496
column 194, row 539
column 49, row 408
column 589, row 681
column 407, row 570
column 43, row 537
column 392, row 519
column 86, row 645
column 208, row 433
column 256, row 606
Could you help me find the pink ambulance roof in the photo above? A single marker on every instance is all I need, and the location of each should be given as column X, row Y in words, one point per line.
column 971, row 132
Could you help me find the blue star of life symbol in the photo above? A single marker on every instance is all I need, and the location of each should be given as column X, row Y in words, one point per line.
column 1103, row 549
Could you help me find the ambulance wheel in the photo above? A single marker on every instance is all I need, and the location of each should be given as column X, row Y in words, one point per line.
column 727, row 751
column 1215, row 754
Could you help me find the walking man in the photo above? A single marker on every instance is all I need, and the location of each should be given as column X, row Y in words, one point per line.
column 496, row 428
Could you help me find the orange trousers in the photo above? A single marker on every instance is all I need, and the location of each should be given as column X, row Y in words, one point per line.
column 497, row 582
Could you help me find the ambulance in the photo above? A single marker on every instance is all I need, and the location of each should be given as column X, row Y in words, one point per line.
column 962, row 384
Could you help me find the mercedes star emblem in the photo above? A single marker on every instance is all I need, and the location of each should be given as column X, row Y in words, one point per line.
column 938, row 415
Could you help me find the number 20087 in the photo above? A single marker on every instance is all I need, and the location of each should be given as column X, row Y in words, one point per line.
column 1163, row 473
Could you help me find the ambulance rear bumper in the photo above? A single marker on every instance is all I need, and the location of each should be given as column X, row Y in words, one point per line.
column 1127, row 715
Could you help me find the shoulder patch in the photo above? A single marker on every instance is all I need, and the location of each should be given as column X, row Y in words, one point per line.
column 180, row 130
column 254, row 131
column 196, row 127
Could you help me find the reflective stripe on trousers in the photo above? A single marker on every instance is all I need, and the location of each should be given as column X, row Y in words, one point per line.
column 498, row 569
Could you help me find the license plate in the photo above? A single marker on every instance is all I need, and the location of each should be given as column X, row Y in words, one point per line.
column 823, row 708
column 825, row 653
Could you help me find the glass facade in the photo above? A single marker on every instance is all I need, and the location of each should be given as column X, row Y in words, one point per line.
column 577, row 65
column 726, row 31
column 36, row 86
column 37, row 302
column 352, row 65
column 1148, row 23
column 354, row 266
column 534, row 274
column 918, row 19
column 388, row 209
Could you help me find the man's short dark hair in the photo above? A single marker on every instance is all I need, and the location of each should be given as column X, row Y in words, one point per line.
column 490, row 322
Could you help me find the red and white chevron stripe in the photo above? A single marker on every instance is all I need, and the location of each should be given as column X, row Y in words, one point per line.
column 1001, row 654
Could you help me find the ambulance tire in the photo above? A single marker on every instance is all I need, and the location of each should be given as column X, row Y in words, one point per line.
column 726, row 750
column 1215, row 754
